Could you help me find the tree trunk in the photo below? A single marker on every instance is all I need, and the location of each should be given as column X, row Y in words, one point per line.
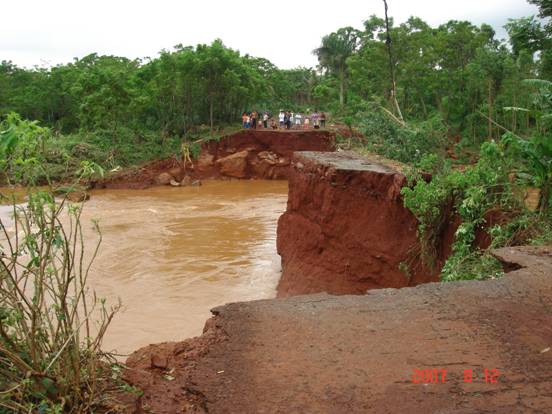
column 490, row 104
column 211, row 113
column 391, row 65
column 544, row 201
column 424, row 108
column 514, row 115
column 342, row 88
column 397, row 107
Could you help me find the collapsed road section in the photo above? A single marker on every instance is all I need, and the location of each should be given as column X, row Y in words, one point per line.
column 460, row 347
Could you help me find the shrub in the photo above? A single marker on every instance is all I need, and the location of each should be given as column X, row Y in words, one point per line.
column 51, row 325
column 472, row 194
column 408, row 144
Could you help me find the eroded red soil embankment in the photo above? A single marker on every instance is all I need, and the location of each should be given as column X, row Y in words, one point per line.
column 262, row 154
column 345, row 229
column 368, row 354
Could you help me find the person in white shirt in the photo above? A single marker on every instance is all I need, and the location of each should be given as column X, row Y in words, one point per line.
column 281, row 117
column 298, row 118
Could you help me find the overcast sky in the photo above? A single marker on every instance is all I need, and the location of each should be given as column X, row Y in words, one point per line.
column 39, row 32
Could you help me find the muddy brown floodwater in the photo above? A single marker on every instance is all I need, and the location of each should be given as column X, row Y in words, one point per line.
column 172, row 254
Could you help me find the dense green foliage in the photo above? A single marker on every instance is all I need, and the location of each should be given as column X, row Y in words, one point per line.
column 486, row 192
column 408, row 144
column 472, row 194
column 459, row 71
column 183, row 88
column 31, row 154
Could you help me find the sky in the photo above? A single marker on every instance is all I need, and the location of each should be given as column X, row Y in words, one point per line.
column 46, row 33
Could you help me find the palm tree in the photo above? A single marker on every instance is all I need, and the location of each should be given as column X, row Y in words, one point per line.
column 334, row 52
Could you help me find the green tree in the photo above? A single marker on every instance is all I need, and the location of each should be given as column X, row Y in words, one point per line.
column 103, row 85
column 545, row 9
column 332, row 55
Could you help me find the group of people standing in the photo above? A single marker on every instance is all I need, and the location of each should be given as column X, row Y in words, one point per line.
column 286, row 120
column 290, row 120
column 251, row 119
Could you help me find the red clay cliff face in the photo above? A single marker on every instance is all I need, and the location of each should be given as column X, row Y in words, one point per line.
column 247, row 154
column 346, row 230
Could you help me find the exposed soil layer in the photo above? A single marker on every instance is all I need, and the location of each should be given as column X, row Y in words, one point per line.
column 345, row 229
column 249, row 153
column 361, row 354
column 260, row 153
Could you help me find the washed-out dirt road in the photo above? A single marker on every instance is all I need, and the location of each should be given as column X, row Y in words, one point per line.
column 467, row 347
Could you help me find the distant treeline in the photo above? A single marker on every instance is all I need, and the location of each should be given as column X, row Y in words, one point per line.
column 185, row 87
column 457, row 71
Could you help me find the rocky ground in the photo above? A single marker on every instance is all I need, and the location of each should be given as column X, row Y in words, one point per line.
column 467, row 347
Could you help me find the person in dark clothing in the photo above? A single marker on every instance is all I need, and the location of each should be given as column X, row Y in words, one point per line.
column 288, row 120
column 254, row 119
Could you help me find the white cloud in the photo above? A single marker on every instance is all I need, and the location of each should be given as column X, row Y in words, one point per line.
column 37, row 31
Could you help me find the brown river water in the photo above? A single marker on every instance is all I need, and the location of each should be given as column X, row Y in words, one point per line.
column 172, row 254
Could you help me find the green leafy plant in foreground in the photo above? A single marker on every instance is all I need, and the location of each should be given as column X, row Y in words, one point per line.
column 22, row 149
column 51, row 324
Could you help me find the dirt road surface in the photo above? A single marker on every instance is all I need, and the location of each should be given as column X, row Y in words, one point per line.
column 368, row 354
